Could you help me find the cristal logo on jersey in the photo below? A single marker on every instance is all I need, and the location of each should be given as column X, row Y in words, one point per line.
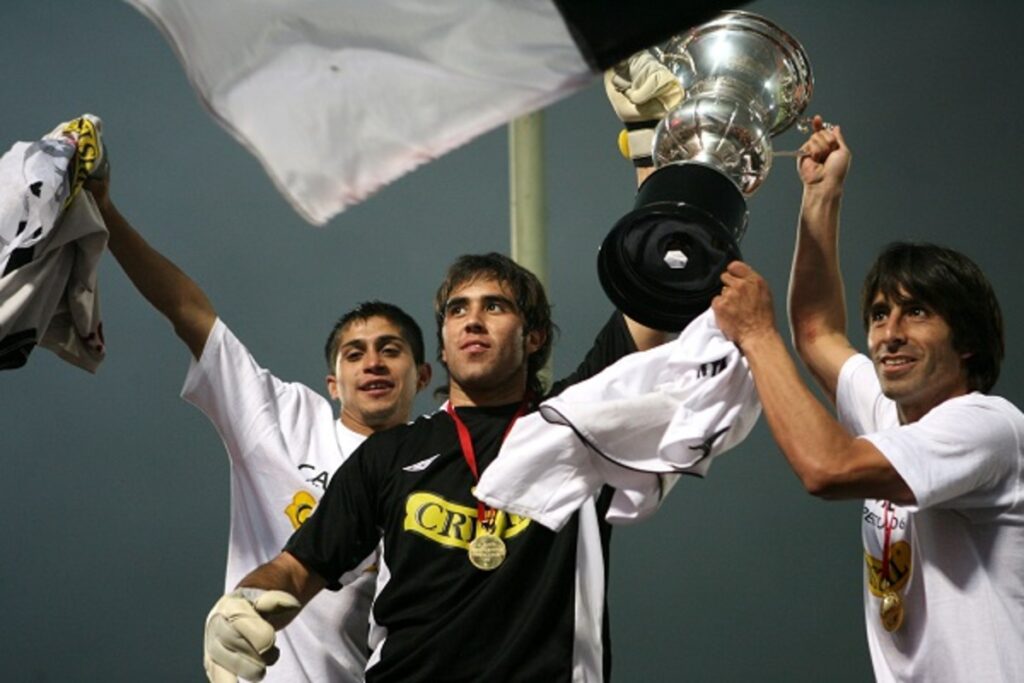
column 303, row 502
column 301, row 507
column 451, row 524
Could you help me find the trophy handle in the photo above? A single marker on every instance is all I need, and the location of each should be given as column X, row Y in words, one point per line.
column 805, row 125
column 795, row 153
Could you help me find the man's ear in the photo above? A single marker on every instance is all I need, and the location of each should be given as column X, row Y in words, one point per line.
column 423, row 374
column 534, row 340
column 332, row 387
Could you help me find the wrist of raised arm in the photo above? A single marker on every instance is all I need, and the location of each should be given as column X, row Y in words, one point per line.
column 823, row 195
column 762, row 343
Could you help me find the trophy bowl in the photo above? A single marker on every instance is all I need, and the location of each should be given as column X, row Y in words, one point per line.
column 745, row 80
column 743, row 56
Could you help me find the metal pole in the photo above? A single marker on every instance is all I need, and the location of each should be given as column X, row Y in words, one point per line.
column 527, row 201
column 526, row 194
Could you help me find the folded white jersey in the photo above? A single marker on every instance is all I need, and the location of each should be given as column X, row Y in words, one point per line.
column 51, row 240
column 636, row 426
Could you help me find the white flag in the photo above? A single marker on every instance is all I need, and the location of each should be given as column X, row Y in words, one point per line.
column 336, row 98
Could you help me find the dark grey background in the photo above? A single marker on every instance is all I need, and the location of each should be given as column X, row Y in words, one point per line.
column 115, row 492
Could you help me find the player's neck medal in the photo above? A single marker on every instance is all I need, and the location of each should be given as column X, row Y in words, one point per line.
column 891, row 611
column 487, row 552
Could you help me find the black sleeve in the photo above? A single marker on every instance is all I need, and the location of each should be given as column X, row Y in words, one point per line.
column 612, row 343
column 342, row 531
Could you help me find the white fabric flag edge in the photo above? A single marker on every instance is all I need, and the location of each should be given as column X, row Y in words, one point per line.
column 464, row 68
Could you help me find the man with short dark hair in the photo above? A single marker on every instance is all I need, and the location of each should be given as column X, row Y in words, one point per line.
column 283, row 439
column 940, row 462
column 364, row 351
column 466, row 593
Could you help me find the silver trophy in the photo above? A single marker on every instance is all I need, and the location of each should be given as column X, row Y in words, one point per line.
column 745, row 81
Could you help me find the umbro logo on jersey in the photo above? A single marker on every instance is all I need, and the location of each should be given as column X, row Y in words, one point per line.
column 422, row 464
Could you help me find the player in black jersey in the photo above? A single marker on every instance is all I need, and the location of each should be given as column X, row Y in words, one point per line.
column 526, row 605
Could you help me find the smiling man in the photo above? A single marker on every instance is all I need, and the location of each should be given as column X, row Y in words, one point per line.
column 375, row 359
column 282, row 438
column 466, row 593
column 939, row 461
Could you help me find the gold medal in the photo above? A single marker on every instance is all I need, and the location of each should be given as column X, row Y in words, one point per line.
column 487, row 552
column 891, row 611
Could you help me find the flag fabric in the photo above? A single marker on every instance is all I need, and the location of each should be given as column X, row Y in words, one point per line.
column 336, row 98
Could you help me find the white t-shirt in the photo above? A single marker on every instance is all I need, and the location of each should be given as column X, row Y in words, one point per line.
column 957, row 557
column 284, row 444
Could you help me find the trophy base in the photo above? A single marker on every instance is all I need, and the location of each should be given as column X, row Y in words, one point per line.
column 661, row 264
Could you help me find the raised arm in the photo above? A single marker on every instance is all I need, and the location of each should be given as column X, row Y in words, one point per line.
column 817, row 309
column 162, row 283
column 645, row 337
column 829, row 461
column 641, row 91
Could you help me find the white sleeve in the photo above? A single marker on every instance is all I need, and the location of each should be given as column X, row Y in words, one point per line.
column 860, row 405
column 964, row 453
column 245, row 402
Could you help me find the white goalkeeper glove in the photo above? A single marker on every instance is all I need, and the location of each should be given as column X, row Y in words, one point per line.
column 239, row 637
column 641, row 91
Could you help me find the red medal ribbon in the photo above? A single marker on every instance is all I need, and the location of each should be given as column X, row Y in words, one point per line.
column 484, row 514
column 886, row 506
